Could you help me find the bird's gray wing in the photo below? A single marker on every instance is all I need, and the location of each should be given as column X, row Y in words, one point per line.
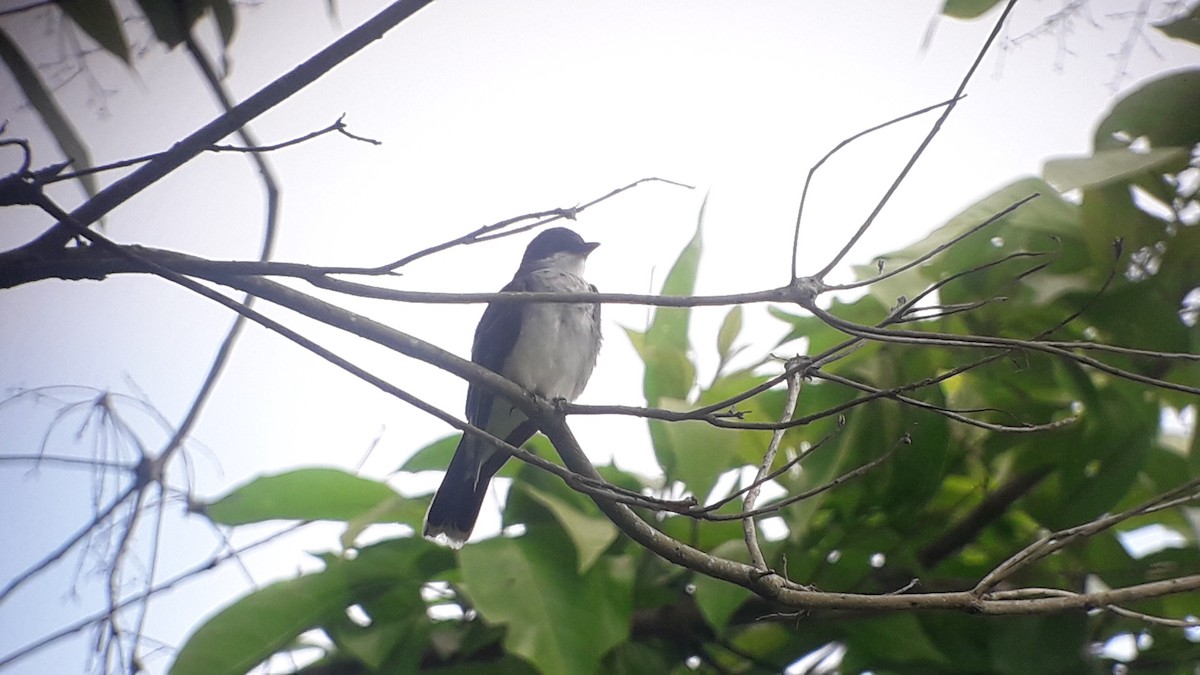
column 495, row 336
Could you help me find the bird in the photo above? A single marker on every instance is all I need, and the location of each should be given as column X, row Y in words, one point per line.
column 549, row 349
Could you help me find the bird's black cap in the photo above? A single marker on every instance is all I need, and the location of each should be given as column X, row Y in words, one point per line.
column 557, row 240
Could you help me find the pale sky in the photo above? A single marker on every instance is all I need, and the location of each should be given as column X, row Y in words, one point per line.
column 486, row 111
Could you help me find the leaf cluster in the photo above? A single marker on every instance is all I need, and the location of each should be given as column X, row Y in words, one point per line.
column 562, row 591
column 916, row 458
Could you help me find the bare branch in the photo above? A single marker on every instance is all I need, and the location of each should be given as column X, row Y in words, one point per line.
column 338, row 126
column 187, row 575
column 950, row 340
column 994, row 218
column 1055, row 541
column 813, row 170
column 78, row 462
column 748, row 527
column 957, row 416
column 786, row 466
column 933, row 132
column 80, row 534
column 504, row 228
column 36, row 4
column 266, row 98
column 856, row 472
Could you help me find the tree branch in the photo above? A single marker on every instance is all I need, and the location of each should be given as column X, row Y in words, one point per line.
column 183, row 151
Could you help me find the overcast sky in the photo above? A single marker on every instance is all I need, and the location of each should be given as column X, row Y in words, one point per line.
column 485, row 111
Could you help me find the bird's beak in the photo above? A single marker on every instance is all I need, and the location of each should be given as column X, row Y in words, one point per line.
column 588, row 247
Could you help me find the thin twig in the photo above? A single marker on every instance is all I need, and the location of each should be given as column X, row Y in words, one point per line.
column 504, row 228
column 87, row 621
column 933, row 132
column 338, row 126
column 788, row 501
column 536, row 408
column 36, row 4
column 1055, row 541
column 994, row 218
column 266, row 98
column 813, row 170
column 749, row 529
column 951, row 340
column 67, row 545
column 79, row 462
column 775, row 473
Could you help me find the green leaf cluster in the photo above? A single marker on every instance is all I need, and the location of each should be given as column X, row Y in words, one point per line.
column 563, row 592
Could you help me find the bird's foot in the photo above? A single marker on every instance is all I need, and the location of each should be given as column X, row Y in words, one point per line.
column 559, row 404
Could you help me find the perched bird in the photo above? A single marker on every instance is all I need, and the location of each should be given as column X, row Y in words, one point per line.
column 547, row 348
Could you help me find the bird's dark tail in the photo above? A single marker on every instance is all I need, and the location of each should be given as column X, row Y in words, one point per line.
column 455, row 506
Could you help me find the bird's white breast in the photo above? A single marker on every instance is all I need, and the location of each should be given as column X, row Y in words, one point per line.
column 557, row 347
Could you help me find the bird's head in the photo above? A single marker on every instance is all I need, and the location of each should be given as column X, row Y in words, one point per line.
column 558, row 248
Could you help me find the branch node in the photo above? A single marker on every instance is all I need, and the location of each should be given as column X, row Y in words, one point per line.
column 804, row 291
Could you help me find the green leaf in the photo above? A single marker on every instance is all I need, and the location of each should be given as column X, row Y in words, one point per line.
column 779, row 642
column 697, row 453
column 893, row 639
column 250, row 630
column 390, row 574
column 165, row 18
column 386, row 581
column 916, row 470
column 1109, row 166
column 436, row 456
column 559, row 620
column 395, row 509
column 47, row 108
column 664, row 345
column 1039, row 644
column 1118, row 426
column 1153, row 110
column 1108, row 213
column 590, row 533
column 820, row 336
column 669, row 372
column 718, row 600
column 967, row 9
column 308, row 494
column 963, row 640
column 1157, row 325
column 394, row 644
column 730, row 328
column 700, row 454
column 748, row 446
column 636, row 658
column 1184, row 28
column 99, row 20
column 433, row 457
column 1029, row 227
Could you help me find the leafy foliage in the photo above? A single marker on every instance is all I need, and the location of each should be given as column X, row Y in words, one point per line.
column 565, row 592
column 967, row 9
column 568, row 594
